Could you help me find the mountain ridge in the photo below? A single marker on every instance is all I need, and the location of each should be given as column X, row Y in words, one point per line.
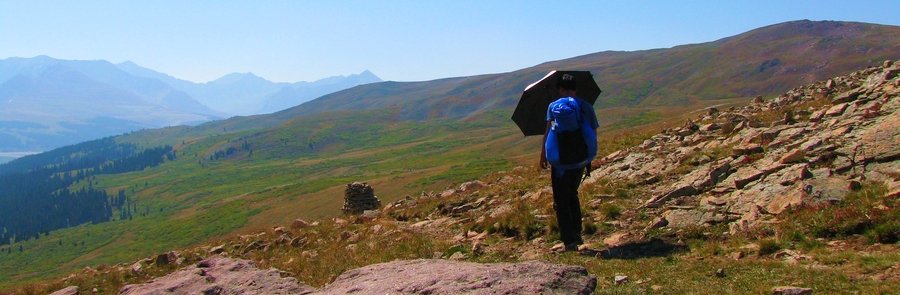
column 234, row 174
column 127, row 81
column 768, row 197
column 264, row 96
column 656, row 77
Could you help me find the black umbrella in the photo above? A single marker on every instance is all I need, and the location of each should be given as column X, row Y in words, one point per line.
column 531, row 112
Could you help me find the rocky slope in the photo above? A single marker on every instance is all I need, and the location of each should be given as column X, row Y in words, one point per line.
column 744, row 170
column 736, row 169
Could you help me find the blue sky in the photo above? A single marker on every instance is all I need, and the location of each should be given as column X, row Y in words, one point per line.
column 289, row 41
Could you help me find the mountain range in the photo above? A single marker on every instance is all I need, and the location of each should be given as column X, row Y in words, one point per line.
column 765, row 61
column 246, row 173
column 47, row 103
column 247, row 94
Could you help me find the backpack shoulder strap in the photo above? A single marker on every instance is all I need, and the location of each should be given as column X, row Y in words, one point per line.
column 578, row 115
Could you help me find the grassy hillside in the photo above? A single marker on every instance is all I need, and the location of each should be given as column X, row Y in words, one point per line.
column 298, row 170
column 766, row 61
column 271, row 176
column 488, row 225
column 247, row 174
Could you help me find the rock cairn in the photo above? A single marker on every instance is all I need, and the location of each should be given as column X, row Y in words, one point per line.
column 744, row 166
column 359, row 197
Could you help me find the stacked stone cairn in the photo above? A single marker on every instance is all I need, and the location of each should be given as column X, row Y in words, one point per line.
column 359, row 197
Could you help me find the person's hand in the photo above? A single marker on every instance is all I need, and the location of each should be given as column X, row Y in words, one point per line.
column 544, row 164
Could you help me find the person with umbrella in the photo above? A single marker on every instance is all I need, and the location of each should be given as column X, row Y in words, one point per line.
column 565, row 179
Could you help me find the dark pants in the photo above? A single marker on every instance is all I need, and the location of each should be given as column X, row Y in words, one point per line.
column 566, row 204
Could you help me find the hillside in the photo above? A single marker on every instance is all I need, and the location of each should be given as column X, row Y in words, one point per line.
column 765, row 61
column 637, row 83
column 244, row 174
column 793, row 193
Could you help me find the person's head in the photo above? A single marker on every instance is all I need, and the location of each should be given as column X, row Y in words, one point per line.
column 566, row 82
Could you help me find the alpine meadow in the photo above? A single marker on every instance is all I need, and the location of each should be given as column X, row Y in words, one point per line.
column 86, row 214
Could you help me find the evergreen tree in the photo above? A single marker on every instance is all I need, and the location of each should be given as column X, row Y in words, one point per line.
column 36, row 197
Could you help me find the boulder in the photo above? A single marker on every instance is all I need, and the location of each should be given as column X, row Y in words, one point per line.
column 710, row 127
column 162, row 259
column 70, row 290
column 137, row 268
column 217, row 249
column 794, row 156
column 683, row 218
column 299, row 223
column 881, row 140
column 817, row 116
column 746, row 149
column 745, row 175
column 679, row 190
column 846, row 96
column 793, row 198
column 454, row 277
column 836, row 110
column 472, row 186
column 793, row 174
column 219, row 275
column 789, row 290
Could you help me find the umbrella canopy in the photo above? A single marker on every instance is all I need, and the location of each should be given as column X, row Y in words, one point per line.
column 531, row 112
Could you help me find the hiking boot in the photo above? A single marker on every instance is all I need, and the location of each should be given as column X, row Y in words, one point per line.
column 579, row 241
column 559, row 248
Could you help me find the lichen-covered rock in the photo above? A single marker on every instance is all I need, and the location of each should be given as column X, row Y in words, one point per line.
column 219, row 275
column 70, row 290
column 453, row 277
column 757, row 170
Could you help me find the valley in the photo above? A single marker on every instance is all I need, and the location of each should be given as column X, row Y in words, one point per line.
column 232, row 179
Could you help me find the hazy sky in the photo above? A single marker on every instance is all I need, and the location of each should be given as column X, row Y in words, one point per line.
column 290, row 41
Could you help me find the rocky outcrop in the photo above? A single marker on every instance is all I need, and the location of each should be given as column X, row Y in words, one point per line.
column 743, row 168
column 218, row 275
column 70, row 290
column 453, row 277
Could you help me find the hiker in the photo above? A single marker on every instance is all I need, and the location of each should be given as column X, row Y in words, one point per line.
column 566, row 180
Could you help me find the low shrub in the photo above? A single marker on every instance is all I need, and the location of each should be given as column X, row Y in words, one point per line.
column 768, row 246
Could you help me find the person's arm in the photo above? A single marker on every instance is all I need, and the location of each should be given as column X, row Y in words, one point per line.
column 589, row 168
column 543, row 163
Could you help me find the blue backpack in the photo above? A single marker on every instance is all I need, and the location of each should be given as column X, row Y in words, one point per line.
column 571, row 142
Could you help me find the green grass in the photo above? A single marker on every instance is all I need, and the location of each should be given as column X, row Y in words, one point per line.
column 198, row 199
column 192, row 199
column 864, row 213
column 326, row 254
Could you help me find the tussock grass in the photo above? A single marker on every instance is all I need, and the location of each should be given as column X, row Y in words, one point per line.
column 337, row 245
column 525, row 228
